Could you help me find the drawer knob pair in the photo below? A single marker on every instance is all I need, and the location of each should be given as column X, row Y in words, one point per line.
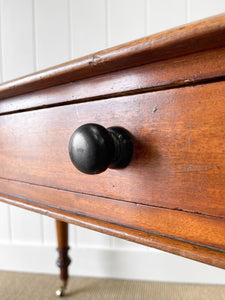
column 93, row 148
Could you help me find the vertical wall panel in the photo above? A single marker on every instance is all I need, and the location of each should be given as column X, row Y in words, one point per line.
column 26, row 226
column 88, row 238
column 164, row 14
column 202, row 9
column 1, row 79
column 52, row 32
column 126, row 20
column 5, row 235
column 18, row 60
column 88, row 30
column 17, row 38
column 49, row 231
column 4, row 208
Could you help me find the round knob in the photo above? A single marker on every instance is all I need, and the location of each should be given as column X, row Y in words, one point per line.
column 93, row 148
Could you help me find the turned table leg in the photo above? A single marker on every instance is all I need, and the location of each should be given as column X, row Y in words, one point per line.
column 63, row 260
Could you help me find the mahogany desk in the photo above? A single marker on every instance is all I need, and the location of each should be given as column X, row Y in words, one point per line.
column 168, row 91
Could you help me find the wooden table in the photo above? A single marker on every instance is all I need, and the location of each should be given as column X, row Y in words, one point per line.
column 168, row 91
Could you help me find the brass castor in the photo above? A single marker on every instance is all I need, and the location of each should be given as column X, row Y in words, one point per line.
column 61, row 290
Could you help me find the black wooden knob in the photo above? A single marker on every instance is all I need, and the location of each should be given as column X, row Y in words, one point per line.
column 93, row 148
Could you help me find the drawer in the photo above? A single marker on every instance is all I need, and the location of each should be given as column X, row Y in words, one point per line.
column 174, row 185
column 179, row 149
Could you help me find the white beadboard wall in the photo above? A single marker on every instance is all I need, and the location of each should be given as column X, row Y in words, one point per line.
column 35, row 34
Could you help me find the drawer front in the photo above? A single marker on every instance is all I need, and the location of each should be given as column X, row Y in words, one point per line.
column 179, row 149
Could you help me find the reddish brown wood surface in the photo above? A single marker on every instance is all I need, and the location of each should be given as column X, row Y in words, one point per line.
column 176, row 246
column 63, row 260
column 174, row 72
column 62, row 234
column 180, row 71
column 179, row 158
column 187, row 226
column 198, row 36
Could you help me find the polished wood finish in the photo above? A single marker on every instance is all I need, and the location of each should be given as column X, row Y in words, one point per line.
column 168, row 91
column 192, row 227
column 183, row 40
column 176, row 72
column 190, row 250
column 177, row 151
column 63, row 260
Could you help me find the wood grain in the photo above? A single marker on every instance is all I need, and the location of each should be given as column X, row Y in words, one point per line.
column 179, row 71
column 198, row 36
column 176, row 246
column 191, row 227
column 179, row 157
